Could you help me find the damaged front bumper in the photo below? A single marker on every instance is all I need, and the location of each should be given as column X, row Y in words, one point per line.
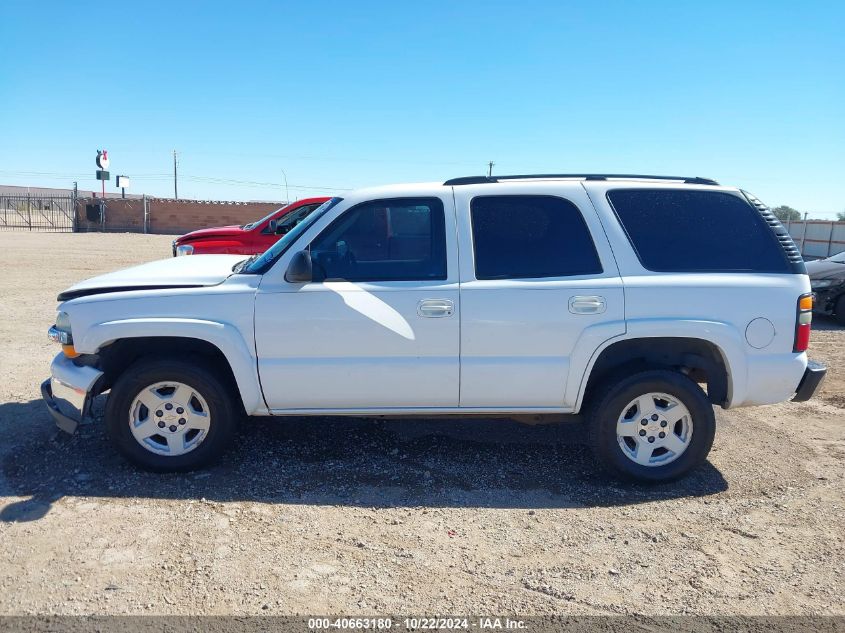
column 67, row 392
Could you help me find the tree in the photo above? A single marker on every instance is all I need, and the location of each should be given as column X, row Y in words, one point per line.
column 786, row 214
column 841, row 216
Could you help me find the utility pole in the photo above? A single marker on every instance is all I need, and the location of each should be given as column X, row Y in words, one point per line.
column 175, row 187
column 490, row 169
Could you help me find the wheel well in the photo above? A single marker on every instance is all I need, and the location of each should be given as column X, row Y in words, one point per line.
column 701, row 360
column 113, row 359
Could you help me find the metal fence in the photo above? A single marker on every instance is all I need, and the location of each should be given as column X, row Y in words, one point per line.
column 817, row 238
column 37, row 213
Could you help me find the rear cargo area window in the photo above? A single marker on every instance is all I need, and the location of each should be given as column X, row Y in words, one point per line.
column 697, row 231
column 522, row 237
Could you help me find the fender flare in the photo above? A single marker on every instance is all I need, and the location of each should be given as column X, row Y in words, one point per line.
column 224, row 336
column 724, row 336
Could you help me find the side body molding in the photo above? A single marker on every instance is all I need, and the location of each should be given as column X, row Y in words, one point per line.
column 723, row 335
column 226, row 337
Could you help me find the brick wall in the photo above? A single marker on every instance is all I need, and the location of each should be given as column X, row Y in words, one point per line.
column 168, row 216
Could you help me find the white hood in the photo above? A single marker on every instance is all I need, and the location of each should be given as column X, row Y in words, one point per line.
column 174, row 272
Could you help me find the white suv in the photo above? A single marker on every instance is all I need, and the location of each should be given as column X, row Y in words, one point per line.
column 639, row 301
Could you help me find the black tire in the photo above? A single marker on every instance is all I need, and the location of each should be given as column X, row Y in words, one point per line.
column 839, row 310
column 607, row 405
column 216, row 392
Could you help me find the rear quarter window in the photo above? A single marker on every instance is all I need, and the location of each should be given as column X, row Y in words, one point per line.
column 697, row 231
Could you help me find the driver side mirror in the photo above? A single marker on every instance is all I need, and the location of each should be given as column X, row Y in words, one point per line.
column 300, row 269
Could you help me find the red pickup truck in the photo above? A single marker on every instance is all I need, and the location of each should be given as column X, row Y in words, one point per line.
column 249, row 239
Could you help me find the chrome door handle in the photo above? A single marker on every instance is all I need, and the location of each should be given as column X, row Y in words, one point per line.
column 587, row 304
column 435, row 308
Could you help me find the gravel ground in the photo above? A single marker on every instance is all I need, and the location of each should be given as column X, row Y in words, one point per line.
column 357, row 516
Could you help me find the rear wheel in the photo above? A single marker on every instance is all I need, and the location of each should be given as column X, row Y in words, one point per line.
column 170, row 415
column 654, row 426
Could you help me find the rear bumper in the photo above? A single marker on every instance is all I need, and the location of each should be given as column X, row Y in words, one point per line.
column 810, row 382
column 67, row 393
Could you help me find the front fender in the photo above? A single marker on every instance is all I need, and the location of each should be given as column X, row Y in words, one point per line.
column 724, row 336
column 226, row 337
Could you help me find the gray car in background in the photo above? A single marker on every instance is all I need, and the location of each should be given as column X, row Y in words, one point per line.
column 827, row 278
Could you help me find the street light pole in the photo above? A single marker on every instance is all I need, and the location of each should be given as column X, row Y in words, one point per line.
column 287, row 194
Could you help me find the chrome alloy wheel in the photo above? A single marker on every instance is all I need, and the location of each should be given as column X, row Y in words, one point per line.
column 654, row 429
column 169, row 418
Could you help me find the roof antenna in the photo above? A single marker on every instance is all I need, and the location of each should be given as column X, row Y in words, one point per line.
column 490, row 169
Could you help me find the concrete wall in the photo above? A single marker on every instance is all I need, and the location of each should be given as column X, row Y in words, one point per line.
column 168, row 216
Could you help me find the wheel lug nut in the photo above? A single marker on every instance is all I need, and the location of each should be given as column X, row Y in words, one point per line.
column 180, row 410
column 182, row 420
column 159, row 413
column 168, row 406
column 662, row 435
column 172, row 428
column 663, row 423
column 642, row 432
column 161, row 425
column 644, row 422
column 654, row 416
column 651, row 440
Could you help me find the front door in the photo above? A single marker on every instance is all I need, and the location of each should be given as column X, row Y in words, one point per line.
column 378, row 327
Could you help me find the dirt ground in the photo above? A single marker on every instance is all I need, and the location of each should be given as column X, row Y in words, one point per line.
column 350, row 516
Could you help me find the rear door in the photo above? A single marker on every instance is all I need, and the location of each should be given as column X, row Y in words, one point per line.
column 537, row 278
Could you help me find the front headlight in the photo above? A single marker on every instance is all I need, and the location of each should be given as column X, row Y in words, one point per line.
column 184, row 249
column 815, row 284
column 60, row 332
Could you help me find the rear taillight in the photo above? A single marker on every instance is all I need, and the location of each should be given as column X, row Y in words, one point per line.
column 803, row 323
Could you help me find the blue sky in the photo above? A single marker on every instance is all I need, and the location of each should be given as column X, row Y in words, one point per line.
column 346, row 94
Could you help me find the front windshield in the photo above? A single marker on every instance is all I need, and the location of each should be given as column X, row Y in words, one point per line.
column 263, row 262
column 252, row 225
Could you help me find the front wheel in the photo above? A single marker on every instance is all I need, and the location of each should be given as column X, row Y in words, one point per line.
column 653, row 426
column 169, row 415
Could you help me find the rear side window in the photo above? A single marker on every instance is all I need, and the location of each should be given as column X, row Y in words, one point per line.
column 521, row 237
column 697, row 231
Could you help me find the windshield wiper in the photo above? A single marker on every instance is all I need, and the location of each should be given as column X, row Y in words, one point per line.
column 241, row 265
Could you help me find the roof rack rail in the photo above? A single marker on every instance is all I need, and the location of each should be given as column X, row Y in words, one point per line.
column 478, row 180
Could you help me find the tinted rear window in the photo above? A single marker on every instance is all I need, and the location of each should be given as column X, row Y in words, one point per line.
column 520, row 237
column 697, row 231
